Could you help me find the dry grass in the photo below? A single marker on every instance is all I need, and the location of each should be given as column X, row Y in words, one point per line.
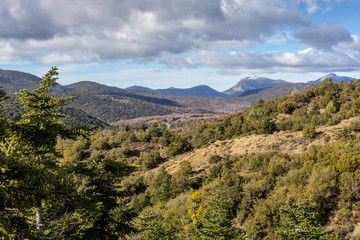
column 291, row 143
column 171, row 119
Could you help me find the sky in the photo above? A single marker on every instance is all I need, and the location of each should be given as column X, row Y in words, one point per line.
column 180, row 43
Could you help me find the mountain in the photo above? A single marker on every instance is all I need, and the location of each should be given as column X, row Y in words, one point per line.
column 14, row 81
column 251, row 83
column 201, row 90
column 11, row 108
column 138, row 87
column 111, row 104
column 197, row 91
column 88, row 86
column 273, row 92
column 334, row 78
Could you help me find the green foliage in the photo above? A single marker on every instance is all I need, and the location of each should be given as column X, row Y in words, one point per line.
column 31, row 144
column 309, row 132
column 179, row 146
column 162, row 185
column 105, row 215
column 331, row 107
column 302, row 221
column 287, row 108
column 39, row 128
column 181, row 179
column 3, row 120
column 152, row 227
column 83, row 187
column 214, row 158
column 216, row 222
column 150, row 160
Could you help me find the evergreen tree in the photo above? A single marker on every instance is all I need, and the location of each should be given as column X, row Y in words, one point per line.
column 101, row 209
column 39, row 128
column 33, row 177
column 162, row 184
column 302, row 221
column 152, row 228
column 216, row 222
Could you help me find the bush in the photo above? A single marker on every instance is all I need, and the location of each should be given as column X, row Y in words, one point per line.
column 151, row 160
column 309, row 132
column 214, row 158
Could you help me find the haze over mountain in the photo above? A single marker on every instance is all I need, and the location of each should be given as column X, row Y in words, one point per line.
column 274, row 91
column 251, row 83
column 334, row 78
column 201, row 90
column 138, row 87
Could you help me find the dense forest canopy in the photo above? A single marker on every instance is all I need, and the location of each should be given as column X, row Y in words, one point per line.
column 59, row 181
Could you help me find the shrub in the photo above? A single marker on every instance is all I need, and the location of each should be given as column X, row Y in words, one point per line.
column 309, row 132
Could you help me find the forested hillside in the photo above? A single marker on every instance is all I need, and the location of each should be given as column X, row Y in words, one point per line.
column 106, row 105
column 287, row 168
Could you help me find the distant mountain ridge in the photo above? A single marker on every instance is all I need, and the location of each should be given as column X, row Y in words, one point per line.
column 245, row 85
column 13, row 81
column 251, row 83
column 274, row 91
column 200, row 91
column 110, row 104
column 334, row 78
column 138, row 87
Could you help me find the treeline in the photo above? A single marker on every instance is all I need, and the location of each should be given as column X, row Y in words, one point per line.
column 60, row 181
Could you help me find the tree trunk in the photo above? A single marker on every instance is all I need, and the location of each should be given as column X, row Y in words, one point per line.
column 39, row 220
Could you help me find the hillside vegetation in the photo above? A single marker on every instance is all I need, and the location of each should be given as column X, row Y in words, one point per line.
column 287, row 168
column 109, row 104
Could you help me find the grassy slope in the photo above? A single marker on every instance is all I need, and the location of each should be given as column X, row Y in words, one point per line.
column 289, row 143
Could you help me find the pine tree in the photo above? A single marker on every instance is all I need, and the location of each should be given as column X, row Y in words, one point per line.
column 33, row 177
column 151, row 227
column 302, row 221
column 162, row 184
column 216, row 222
column 102, row 210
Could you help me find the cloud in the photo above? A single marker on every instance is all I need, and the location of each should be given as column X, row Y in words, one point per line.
column 324, row 36
column 313, row 6
column 63, row 30
column 67, row 31
column 177, row 62
column 354, row 44
column 308, row 60
column 22, row 20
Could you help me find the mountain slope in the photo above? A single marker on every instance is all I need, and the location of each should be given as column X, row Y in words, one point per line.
column 334, row 78
column 273, row 92
column 259, row 143
column 201, row 90
column 251, row 83
column 11, row 108
column 138, row 87
column 197, row 91
column 143, row 95
column 14, row 81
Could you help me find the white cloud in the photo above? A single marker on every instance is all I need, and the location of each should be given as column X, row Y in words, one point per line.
column 67, row 31
column 308, row 60
column 314, row 6
column 137, row 30
column 354, row 44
